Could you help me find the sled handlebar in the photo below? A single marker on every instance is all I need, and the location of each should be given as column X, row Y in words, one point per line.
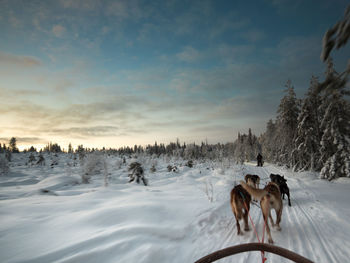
column 229, row 251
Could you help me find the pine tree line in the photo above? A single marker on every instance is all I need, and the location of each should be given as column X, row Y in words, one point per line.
column 314, row 133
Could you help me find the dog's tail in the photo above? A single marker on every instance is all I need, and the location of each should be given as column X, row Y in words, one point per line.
column 257, row 193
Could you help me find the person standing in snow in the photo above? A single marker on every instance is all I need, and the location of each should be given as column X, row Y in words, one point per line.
column 259, row 158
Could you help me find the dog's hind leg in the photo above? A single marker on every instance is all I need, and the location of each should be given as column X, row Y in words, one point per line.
column 289, row 199
column 237, row 215
column 131, row 179
column 279, row 217
column 265, row 211
column 267, row 227
column 271, row 219
column 144, row 180
column 245, row 217
column 238, row 226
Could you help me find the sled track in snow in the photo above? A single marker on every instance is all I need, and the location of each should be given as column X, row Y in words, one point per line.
column 299, row 228
column 315, row 230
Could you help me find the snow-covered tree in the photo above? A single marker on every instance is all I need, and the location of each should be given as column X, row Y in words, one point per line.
column 246, row 147
column 335, row 125
column 335, row 144
column 287, row 120
column 70, row 148
column 13, row 145
column 268, row 142
column 308, row 135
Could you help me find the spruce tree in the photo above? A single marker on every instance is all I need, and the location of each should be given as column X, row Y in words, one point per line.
column 335, row 124
column 268, row 142
column 335, row 146
column 287, row 119
column 70, row 148
column 308, row 136
column 13, row 145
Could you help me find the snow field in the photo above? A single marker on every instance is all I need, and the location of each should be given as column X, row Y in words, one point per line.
column 47, row 215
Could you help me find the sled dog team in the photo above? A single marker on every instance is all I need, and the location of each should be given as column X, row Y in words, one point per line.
column 270, row 197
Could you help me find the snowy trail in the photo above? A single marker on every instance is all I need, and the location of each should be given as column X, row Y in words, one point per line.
column 171, row 220
column 307, row 228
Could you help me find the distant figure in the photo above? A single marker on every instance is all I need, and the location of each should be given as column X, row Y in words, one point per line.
column 259, row 158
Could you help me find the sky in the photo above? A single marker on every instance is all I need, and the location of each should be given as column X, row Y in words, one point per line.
column 125, row 72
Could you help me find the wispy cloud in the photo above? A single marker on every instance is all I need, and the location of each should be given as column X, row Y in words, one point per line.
column 253, row 35
column 7, row 59
column 189, row 54
column 24, row 140
column 86, row 132
column 14, row 20
column 58, row 30
column 126, row 9
column 80, row 4
column 284, row 6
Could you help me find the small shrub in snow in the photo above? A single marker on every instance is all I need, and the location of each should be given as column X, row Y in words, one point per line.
column 172, row 168
column 136, row 172
column 4, row 167
column 92, row 164
column 41, row 160
column 154, row 163
column 54, row 162
column 189, row 163
column 221, row 171
column 31, row 159
column 8, row 156
column 105, row 172
column 153, row 169
column 119, row 163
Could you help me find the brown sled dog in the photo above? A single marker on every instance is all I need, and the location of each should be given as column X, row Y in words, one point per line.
column 240, row 201
column 252, row 179
column 270, row 198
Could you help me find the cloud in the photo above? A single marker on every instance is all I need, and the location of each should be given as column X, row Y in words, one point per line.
column 253, row 35
column 105, row 30
column 285, row 6
column 126, row 9
column 119, row 110
column 14, row 20
column 189, row 54
column 80, row 4
column 248, row 106
column 18, row 60
column 298, row 59
column 221, row 53
column 15, row 93
column 233, row 53
column 91, row 131
column 228, row 25
column 24, row 140
column 58, row 30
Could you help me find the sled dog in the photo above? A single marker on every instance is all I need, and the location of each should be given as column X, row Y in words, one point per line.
column 240, row 202
column 282, row 183
column 270, row 198
column 252, row 180
column 276, row 178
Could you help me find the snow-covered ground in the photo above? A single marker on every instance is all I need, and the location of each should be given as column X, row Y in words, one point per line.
column 47, row 215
